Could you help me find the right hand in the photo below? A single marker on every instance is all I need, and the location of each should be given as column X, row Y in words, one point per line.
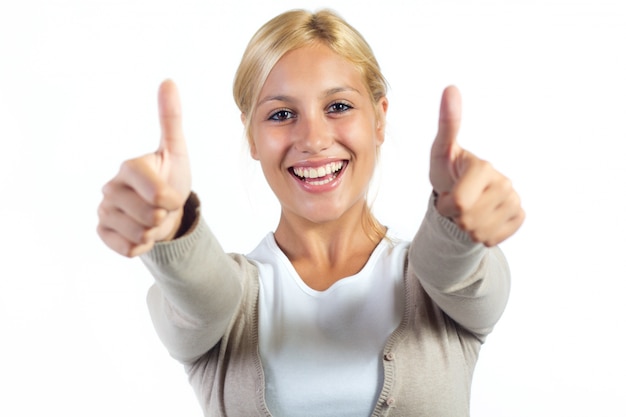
column 477, row 197
column 144, row 202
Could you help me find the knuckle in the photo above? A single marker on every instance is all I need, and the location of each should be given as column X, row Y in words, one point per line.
column 116, row 242
column 145, row 236
column 508, row 183
column 125, row 168
column 100, row 230
column 514, row 198
column 157, row 216
column 513, row 205
column 107, row 189
column 128, row 165
column 484, row 165
column 102, row 211
column 460, row 205
column 159, row 195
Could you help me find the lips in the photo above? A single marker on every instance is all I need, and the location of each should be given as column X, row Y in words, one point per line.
column 318, row 175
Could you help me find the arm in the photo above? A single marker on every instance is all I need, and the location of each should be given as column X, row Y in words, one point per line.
column 467, row 280
column 474, row 207
column 197, row 288
column 149, row 203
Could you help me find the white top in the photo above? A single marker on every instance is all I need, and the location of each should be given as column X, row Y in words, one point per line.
column 321, row 349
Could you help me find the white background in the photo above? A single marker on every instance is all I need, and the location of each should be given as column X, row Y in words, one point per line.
column 543, row 85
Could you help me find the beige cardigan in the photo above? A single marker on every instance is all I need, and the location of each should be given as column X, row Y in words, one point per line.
column 204, row 308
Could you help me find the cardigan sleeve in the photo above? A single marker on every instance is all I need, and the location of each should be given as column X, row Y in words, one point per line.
column 197, row 289
column 467, row 280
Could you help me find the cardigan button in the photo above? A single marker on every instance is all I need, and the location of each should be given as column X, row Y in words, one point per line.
column 389, row 356
column 390, row 401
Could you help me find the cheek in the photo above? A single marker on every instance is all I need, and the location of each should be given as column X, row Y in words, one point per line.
column 360, row 135
column 269, row 145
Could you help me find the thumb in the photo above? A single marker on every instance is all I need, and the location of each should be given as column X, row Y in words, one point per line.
column 170, row 117
column 449, row 122
column 445, row 150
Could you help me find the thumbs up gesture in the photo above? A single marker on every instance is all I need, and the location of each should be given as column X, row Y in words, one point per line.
column 143, row 203
column 479, row 199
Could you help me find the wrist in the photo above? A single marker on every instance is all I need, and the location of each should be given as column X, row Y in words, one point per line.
column 435, row 197
column 187, row 219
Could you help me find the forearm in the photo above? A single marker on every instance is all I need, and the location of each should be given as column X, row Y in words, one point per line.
column 469, row 281
column 196, row 292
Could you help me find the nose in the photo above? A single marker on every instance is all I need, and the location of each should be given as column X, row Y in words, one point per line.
column 313, row 134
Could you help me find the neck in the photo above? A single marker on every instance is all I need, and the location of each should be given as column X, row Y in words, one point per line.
column 323, row 253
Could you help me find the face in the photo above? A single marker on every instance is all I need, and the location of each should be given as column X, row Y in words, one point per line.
column 316, row 133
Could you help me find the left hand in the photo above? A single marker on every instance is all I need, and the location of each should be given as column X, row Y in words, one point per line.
column 479, row 199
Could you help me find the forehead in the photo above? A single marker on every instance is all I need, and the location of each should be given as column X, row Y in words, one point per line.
column 313, row 67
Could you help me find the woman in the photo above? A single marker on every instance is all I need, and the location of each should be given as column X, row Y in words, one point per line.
column 330, row 315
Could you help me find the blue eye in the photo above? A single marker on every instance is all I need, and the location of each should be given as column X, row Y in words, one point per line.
column 339, row 107
column 282, row 115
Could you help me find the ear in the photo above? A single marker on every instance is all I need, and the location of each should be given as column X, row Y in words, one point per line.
column 381, row 119
column 253, row 150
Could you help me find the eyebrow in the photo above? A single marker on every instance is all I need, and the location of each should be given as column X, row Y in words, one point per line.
column 324, row 94
column 336, row 90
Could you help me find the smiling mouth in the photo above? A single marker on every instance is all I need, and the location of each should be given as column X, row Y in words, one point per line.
column 319, row 175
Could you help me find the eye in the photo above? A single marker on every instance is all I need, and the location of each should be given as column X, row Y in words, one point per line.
column 281, row 115
column 339, row 107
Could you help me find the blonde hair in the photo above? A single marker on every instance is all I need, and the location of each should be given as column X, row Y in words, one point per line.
column 296, row 29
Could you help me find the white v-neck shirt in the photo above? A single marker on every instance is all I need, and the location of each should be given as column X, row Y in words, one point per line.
column 322, row 350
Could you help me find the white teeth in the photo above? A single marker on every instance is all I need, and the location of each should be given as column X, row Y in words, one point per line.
column 322, row 182
column 306, row 172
